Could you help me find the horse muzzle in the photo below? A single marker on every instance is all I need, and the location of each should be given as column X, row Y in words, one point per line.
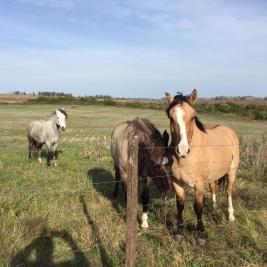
column 182, row 151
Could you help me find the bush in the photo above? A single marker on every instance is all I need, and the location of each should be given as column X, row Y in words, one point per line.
column 248, row 111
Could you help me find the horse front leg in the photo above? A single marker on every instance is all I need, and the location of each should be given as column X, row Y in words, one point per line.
column 179, row 191
column 54, row 154
column 145, row 200
column 117, row 183
column 198, row 208
column 49, row 153
column 39, row 152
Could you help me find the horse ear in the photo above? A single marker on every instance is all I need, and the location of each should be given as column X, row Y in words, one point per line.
column 192, row 97
column 165, row 138
column 169, row 98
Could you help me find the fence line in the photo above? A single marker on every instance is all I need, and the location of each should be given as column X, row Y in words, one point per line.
column 4, row 193
column 131, row 231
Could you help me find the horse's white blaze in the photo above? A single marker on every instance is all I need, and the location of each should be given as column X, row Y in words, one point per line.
column 183, row 144
column 144, row 219
column 230, row 209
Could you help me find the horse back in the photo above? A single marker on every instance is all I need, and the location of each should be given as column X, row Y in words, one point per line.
column 37, row 130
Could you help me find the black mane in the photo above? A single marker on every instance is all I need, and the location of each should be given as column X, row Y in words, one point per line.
column 200, row 125
column 179, row 99
column 63, row 112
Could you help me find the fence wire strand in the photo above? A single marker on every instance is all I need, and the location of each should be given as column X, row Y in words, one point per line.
column 123, row 211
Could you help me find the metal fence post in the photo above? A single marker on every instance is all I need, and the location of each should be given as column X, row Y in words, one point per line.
column 132, row 182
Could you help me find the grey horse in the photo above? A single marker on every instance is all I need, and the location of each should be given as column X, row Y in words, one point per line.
column 41, row 132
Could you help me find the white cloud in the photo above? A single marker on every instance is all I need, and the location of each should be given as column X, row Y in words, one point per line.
column 137, row 47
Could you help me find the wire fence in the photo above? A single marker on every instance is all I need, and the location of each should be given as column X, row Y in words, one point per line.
column 123, row 211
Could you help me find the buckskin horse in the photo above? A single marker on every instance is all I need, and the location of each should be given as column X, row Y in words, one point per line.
column 201, row 155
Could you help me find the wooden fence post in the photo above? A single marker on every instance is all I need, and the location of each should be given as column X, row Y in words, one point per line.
column 132, row 182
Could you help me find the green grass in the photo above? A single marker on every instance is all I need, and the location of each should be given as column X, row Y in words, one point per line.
column 45, row 213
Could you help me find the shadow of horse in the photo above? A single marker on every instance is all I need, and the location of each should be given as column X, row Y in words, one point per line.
column 43, row 248
column 103, row 182
column 106, row 261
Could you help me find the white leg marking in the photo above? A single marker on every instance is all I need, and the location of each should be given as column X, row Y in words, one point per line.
column 40, row 160
column 144, row 220
column 230, row 209
column 54, row 156
column 183, row 145
column 214, row 203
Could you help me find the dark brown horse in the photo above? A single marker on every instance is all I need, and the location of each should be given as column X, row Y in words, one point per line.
column 151, row 157
column 201, row 155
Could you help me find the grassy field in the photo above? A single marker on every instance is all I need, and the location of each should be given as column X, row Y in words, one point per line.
column 58, row 217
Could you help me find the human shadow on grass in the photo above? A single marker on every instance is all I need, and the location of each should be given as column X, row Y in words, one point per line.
column 104, row 182
column 106, row 261
column 43, row 249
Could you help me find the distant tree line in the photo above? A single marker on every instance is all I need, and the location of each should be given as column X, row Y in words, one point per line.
column 52, row 93
column 18, row 93
column 103, row 97
column 248, row 111
column 237, row 98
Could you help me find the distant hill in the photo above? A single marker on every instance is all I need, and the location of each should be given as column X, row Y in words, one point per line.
column 15, row 98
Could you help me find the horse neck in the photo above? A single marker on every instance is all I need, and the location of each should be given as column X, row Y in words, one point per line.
column 52, row 121
column 197, row 134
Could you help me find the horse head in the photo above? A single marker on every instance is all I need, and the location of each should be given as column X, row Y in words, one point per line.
column 61, row 116
column 182, row 119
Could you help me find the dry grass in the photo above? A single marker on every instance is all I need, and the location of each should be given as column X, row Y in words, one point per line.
column 15, row 99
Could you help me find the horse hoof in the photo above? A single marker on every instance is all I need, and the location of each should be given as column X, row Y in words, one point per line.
column 40, row 160
column 201, row 242
column 55, row 164
column 144, row 225
column 179, row 237
column 231, row 218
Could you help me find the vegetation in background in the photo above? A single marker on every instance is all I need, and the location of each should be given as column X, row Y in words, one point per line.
column 248, row 111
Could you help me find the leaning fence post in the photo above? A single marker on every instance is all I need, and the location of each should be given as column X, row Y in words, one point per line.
column 131, row 231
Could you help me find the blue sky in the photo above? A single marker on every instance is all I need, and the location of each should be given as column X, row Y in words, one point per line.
column 134, row 48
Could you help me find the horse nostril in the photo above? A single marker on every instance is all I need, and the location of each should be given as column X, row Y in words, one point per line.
column 188, row 150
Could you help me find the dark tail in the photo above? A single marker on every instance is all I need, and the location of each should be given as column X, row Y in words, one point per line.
column 222, row 182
